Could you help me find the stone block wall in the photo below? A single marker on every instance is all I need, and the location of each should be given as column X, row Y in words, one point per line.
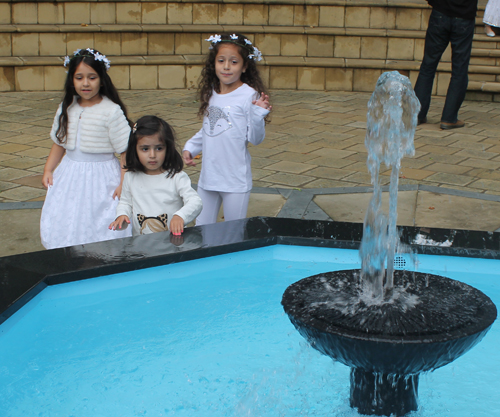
column 321, row 45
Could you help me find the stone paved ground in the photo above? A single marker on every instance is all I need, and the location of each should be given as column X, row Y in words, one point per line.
column 315, row 140
column 311, row 165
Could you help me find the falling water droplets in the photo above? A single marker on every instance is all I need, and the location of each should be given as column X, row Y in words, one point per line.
column 391, row 124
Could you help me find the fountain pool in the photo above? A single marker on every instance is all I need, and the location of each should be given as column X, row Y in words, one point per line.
column 209, row 337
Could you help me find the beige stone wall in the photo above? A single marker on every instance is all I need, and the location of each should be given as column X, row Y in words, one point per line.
column 368, row 46
column 138, row 77
column 348, row 14
column 324, row 45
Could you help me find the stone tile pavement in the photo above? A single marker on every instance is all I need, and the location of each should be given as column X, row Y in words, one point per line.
column 311, row 165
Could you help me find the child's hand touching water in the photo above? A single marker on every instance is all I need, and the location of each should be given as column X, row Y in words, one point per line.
column 263, row 102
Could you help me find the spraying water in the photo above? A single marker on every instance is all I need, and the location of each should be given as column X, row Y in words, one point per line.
column 391, row 124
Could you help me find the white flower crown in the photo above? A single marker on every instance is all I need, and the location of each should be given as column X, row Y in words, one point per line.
column 87, row 52
column 255, row 54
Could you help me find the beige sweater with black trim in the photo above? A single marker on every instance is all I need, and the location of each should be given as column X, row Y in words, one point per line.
column 104, row 128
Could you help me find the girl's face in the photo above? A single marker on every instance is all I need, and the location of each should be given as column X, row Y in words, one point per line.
column 87, row 84
column 151, row 152
column 229, row 65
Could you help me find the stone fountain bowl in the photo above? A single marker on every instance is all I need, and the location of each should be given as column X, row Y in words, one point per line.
column 427, row 322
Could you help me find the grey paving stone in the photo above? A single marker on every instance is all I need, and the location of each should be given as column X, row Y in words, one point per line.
column 448, row 211
column 314, row 212
column 451, row 179
column 294, row 157
column 292, row 180
column 23, row 234
column 352, row 207
column 296, row 205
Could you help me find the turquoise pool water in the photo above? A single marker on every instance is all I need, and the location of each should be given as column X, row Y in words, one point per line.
column 209, row 338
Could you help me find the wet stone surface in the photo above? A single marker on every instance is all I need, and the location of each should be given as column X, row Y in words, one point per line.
column 420, row 306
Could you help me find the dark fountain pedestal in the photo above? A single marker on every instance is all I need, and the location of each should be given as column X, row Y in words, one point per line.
column 382, row 394
column 427, row 322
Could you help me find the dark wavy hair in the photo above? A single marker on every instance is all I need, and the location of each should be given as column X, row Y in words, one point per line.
column 107, row 88
column 209, row 81
column 148, row 126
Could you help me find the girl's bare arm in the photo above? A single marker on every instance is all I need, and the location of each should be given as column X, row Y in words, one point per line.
column 118, row 191
column 55, row 155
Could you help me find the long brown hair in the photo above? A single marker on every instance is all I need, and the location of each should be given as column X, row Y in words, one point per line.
column 209, row 81
column 107, row 88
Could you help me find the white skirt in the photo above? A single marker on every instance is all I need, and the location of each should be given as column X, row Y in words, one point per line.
column 79, row 206
column 492, row 13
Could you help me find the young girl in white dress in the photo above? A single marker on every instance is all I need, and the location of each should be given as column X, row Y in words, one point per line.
column 491, row 17
column 157, row 195
column 234, row 105
column 82, row 175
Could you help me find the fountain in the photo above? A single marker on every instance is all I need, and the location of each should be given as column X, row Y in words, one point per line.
column 193, row 326
column 387, row 325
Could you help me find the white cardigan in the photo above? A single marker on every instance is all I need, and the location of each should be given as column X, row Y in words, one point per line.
column 104, row 128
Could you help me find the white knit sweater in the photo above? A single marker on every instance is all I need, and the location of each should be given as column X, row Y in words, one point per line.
column 151, row 196
column 104, row 128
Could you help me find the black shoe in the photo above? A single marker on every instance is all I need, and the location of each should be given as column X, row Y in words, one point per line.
column 456, row 125
column 422, row 121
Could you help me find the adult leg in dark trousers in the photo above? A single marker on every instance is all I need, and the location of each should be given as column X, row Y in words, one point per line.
column 441, row 31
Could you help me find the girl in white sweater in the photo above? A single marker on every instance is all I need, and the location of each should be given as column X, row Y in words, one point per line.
column 82, row 175
column 233, row 106
column 157, row 195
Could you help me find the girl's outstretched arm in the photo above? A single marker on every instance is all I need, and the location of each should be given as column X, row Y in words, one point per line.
column 118, row 191
column 263, row 102
column 192, row 148
column 256, row 111
column 117, row 224
column 124, row 207
column 55, row 155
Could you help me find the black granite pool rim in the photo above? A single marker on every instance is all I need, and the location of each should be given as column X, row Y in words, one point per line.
column 24, row 276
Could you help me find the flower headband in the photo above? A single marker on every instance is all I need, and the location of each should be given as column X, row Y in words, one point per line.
column 89, row 52
column 255, row 54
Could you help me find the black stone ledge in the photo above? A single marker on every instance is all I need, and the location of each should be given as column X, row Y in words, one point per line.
column 24, row 276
